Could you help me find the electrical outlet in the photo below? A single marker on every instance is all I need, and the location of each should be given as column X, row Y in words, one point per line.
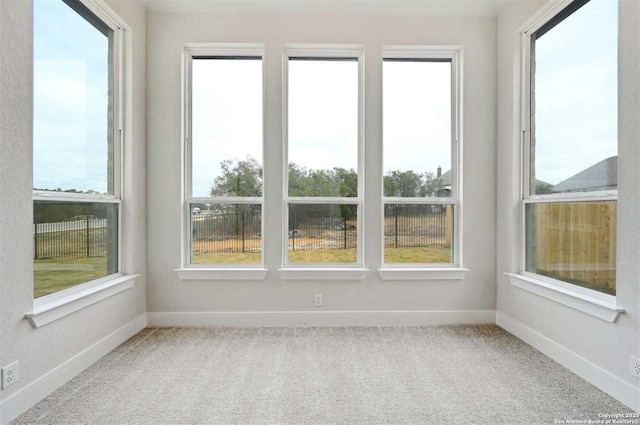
column 317, row 300
column 634, row 365
column 10, row 375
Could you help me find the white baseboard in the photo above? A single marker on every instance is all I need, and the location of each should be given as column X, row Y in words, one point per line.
column 25, row 398
column 606, row 381
column 318, row 318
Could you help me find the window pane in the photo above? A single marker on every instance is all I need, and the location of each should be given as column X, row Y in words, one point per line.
column 72, row 100
column 323, row 233
column 574, row 135
column 323, row 127
column 574, row 242
column 74, row 243
column 417, row 128
column 226, row 127
column 418, row 233
column 226, row 233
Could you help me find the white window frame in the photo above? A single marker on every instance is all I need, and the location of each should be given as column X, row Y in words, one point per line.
column 60, row 304
column 436, row 271
column 592, row 302
column 351, row 270
column 101, row 11
column 213, row 271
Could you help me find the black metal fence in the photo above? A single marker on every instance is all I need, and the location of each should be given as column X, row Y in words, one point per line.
column 83, row 238
column 421, row 225
column 226, row 232
column 313, row 227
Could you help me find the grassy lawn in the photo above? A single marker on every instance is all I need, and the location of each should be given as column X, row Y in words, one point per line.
column 432, row 255
column 318, row 256
column 323, row 256
column 227, row 258
column 392, row 255
column 57, row 274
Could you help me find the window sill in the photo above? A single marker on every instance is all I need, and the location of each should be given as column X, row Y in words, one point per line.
column 319, row 273
column 48, row 312
column 422, row 273
column 603, row 308
column 238, row 273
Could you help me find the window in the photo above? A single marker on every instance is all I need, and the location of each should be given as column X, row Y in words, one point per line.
column 224, row 139
column 570, row 134
column 420, row 157
column 77, row 143
column 323, row 152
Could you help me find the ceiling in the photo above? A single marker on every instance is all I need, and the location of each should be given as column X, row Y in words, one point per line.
column 369, row 7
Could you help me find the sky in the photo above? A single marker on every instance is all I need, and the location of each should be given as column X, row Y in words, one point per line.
column 576, row 92
column 416, row 116
column 576, row 105
column 323, row 115
column 226, row 117
column 70, row 100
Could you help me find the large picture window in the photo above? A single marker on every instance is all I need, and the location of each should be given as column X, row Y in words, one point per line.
column 77, row 133
column 420, row 157
column 323, row 156
column 224, row 139
column 571, row 146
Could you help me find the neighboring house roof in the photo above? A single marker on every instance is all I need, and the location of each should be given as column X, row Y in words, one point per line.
column 603, row 175
column 446, row 179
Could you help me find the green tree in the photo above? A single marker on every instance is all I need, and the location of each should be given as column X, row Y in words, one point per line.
column 348, row 181
column 298, row 177
column 409, row 184
column 402, row 184
column 322, row 182
column 431, row 185
column 239, row 178
column 543, row 188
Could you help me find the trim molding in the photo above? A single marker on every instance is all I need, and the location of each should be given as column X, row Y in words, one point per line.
column 590, row 372
column 238, row 273
column 319, row 273
column 318, row 318
column 63, row 306
column 407, row 273
column 598, row 305
column 26, row 397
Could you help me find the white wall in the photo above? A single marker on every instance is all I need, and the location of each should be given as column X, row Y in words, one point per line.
column 489, row 50
column 606, row 345
column 41, row 350
column 166, row 35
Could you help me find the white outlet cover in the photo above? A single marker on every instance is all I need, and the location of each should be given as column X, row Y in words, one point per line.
column 10, row 374
column 634, row 365
column 317, row 300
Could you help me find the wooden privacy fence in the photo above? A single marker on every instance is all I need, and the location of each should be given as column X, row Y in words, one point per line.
column 576, row 241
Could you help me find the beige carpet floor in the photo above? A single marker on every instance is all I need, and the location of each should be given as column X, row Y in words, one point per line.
column 354, row 375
